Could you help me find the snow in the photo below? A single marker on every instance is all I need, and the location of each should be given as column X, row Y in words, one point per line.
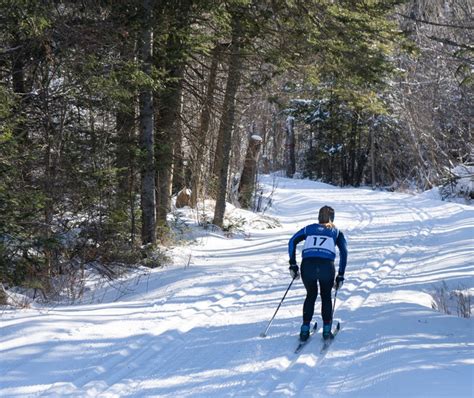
column 193, row 331
column 465, row 183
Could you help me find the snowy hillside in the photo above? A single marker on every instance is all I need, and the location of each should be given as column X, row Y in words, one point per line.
column 194, row 331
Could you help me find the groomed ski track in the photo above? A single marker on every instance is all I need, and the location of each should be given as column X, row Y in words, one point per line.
column 194, row 331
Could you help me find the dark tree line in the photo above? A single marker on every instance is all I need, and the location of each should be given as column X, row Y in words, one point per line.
column 109, row 108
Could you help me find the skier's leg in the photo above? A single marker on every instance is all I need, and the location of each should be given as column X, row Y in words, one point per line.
column 309, row 278
column 326, row 282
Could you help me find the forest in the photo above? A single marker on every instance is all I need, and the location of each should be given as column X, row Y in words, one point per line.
column 111, row 108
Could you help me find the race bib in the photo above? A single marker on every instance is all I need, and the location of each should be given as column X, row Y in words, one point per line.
column 320, row 243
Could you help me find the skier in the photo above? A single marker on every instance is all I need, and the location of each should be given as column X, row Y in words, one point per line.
column 319, row 253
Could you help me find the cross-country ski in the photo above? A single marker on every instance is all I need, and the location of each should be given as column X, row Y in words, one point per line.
column 301, row 343
column 328, row 341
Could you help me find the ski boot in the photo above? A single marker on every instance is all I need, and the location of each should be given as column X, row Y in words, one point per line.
column 304, row 332
column 327, row 333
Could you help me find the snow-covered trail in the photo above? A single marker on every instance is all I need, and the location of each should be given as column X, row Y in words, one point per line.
column 194, row 332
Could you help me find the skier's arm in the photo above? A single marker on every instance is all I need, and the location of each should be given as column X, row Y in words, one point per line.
column 341, row 243
column 295, row 239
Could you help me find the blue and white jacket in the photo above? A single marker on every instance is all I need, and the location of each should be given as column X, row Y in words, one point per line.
column 320, row 242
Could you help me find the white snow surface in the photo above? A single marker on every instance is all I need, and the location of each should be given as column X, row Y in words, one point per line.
column 193, row 331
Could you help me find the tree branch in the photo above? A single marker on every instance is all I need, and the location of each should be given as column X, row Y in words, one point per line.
column 451, row 43
column 435, row 23
column 5, row 51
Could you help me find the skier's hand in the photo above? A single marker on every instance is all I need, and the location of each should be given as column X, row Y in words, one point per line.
column 339, row 282
column 294, row 271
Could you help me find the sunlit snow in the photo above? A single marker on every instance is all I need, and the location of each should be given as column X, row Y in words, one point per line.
column 192, row 329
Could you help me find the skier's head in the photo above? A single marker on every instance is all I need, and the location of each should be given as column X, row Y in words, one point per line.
column 326, row 215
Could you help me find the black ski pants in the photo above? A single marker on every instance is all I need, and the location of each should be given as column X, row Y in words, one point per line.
column 314, row 271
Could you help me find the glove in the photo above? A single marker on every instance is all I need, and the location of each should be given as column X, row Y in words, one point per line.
column 294, row 271
column 339, row 282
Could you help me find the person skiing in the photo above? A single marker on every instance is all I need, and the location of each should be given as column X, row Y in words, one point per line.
column 318, row 255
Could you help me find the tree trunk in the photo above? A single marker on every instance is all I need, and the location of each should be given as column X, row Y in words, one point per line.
column 277, row 138
column 247, row 180
column 147, row 132
column 125, row 163
column 167, row 135
column 18, row 75
column 205, row 119
column 124, row 155
column 3, row 295
column 126, row 137
column 228, row 116
column 20, row 129
column 219, row 147
column 178, row 171
column 372, row 157
column 290, row 147
column 168, row 120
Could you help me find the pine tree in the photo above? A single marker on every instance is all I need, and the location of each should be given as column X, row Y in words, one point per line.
column 148, row 201
column 228, row 111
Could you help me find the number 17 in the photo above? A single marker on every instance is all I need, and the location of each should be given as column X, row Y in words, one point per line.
column 323, row 239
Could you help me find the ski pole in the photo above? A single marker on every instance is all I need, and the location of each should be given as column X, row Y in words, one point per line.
column 334, row 304
column 338, row 326
column 264, row 334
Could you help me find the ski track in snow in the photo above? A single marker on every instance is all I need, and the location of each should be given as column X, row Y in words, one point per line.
column 195, row 332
